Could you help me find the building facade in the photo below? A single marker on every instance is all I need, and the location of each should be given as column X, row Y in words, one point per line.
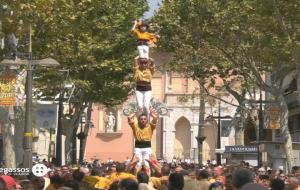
column 175, row 135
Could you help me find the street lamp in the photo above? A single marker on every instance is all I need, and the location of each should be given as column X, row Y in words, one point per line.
column 261, row 131
column 27, row 159
column 219, row 134
column 67, row 85
column 81, row 136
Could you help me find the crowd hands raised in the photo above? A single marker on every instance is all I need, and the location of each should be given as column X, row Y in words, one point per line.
column 175, row 175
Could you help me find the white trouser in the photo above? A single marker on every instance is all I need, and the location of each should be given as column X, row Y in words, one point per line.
column 143, row 154
column 143, row 99
column 143, row 51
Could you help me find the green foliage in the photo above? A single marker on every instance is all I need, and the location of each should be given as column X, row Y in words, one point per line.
column 230, row 36
column 90, row 38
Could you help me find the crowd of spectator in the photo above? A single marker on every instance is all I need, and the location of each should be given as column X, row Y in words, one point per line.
column 176, row 175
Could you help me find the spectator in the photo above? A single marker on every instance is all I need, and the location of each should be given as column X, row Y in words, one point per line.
column 2, row 184
column 56, row 181
column 102, row 182
column 128, row 184
column 190, row 183
column 241, row 177
column 176, row 181
column 203, row 183
column 25, row 184
column 277, row 184
column 264, row 180
column 78, row 176
column 38, row 183
column 254, row 186
column 120, row 173
column 143, row 180
column 161, row 183
column 8, row 182
column 216, row 186
column 217, row 175
column 74, row 185
column 293, row 183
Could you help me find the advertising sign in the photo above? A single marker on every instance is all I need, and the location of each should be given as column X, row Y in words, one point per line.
column 7, row 89
column 241, row 149
column 46, row 115
column 272, row 117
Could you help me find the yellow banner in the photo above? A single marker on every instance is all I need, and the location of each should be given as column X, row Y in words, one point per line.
column 273, row 117
column 7, row 89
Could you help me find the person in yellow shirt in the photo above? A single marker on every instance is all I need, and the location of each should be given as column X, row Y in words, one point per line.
column 144, row 38
column 120, row 173
column 143, row 130
column 143, row 70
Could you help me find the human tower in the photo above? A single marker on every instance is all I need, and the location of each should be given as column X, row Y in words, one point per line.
column 143, row 70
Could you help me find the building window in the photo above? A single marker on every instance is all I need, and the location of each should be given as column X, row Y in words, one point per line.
column 293, row 123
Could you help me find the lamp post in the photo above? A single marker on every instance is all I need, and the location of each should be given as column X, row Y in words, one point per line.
column 201, row 136
column 64, row 87
column 81, row 136
column 58, row 151
column 261, row 134
column 219, row 134
column 27, row 140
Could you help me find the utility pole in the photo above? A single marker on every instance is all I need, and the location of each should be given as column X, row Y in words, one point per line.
column 261, row 132
column 200, row 138
column 58, row 152
column 219, row 134
column 81, row 137
column 27, row 159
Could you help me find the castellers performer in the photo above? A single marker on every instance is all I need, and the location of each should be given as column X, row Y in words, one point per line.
column 144, row 38
column 143, row 70
column 143, row 130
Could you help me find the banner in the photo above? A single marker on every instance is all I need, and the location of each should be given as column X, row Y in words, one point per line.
column 20, row 88
column 46, row 115
column 272, row 117
column 7, row 89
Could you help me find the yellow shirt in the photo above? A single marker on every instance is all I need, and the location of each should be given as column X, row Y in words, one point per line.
column 50, row 187
column 90, row 181
column 143, row 75
column 142, row 134
column 123, row 175
column 158, row 183
column 103, row 183
column 145, row 36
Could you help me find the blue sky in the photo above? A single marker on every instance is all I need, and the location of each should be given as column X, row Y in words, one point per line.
column 153, row 5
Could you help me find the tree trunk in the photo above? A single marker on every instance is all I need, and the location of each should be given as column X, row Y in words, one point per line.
column 71, row 132
column 87, row 127
column 239, row 126
column 288, row 145
column 200, row 138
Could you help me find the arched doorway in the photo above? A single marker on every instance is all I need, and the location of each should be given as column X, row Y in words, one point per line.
column 182, row 144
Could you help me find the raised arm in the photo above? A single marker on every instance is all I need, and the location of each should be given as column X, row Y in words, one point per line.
column 151, row 65
column 135, row 25
column 154, row 116
column 131, row 119
column 135, row 64
column 136, row 61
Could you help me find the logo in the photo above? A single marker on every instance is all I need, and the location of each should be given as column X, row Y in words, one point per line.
column 39, row 170
column 14, row 171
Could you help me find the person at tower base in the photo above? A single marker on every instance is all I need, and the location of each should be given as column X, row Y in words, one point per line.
column 143, row 130
column 143, row 70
